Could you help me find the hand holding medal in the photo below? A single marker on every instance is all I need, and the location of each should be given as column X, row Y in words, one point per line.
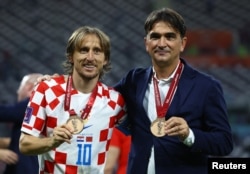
column 177, row 126
column 61, row 134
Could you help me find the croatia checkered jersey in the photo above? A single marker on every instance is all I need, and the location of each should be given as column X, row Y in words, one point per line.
column 88, row 149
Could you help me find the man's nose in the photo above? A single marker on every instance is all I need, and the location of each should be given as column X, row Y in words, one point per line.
column 162, row 42
column 90, row 55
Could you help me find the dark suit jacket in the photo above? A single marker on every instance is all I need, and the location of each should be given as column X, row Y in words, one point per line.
column 199, row 100
column 15, row 114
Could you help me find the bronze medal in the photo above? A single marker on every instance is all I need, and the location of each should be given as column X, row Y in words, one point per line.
column 157, row 127
column 75, row 123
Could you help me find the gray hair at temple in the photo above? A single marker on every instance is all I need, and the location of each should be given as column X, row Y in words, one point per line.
column 75, row 41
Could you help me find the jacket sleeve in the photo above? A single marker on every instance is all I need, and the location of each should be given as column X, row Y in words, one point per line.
column 216, row 137
column 13, row 112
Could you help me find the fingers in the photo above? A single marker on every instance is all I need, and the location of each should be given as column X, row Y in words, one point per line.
column 65, row 77
column 8, row 156
column 176, row 126
column 45, row 77
column 12, row 158
column 55, row 75
column 62, row 134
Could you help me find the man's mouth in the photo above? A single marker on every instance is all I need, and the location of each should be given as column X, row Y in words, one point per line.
column 89, row 66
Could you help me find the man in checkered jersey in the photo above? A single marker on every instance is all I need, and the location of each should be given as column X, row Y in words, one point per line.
column 68, row 121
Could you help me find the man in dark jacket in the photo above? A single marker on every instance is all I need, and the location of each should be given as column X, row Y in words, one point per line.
column 14, row 113
column 177, row 115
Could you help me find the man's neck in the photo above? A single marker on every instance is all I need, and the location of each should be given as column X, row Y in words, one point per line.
column 166, row 71
column 84, row 85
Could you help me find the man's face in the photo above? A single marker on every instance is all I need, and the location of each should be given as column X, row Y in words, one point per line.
column 89, row 59
column 164, row 44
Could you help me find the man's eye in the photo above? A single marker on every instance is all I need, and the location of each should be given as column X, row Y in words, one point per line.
column 154, row 37
column 170, row 36
column 97, row 51
column 83, row 50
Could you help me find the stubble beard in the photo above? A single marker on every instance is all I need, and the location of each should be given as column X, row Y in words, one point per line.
column 88, row 77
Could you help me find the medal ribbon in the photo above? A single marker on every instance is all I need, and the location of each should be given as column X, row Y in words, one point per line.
column 162, row 109
column 88, row 106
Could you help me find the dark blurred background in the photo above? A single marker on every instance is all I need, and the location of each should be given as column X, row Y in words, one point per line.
column 34, row 33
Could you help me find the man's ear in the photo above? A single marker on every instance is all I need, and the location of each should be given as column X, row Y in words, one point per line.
column 70, row 58
column 183, row 44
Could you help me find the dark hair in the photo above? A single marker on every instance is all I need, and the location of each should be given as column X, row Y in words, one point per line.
column 74, row 43
column 166, row 15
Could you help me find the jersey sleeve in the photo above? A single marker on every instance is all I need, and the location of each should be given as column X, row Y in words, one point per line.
column 116, row 138
column 35, row 115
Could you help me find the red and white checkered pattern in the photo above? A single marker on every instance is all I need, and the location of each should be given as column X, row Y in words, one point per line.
column 87, row 151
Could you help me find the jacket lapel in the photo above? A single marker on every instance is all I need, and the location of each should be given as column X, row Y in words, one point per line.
column 143, row 82
column 184, row 88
